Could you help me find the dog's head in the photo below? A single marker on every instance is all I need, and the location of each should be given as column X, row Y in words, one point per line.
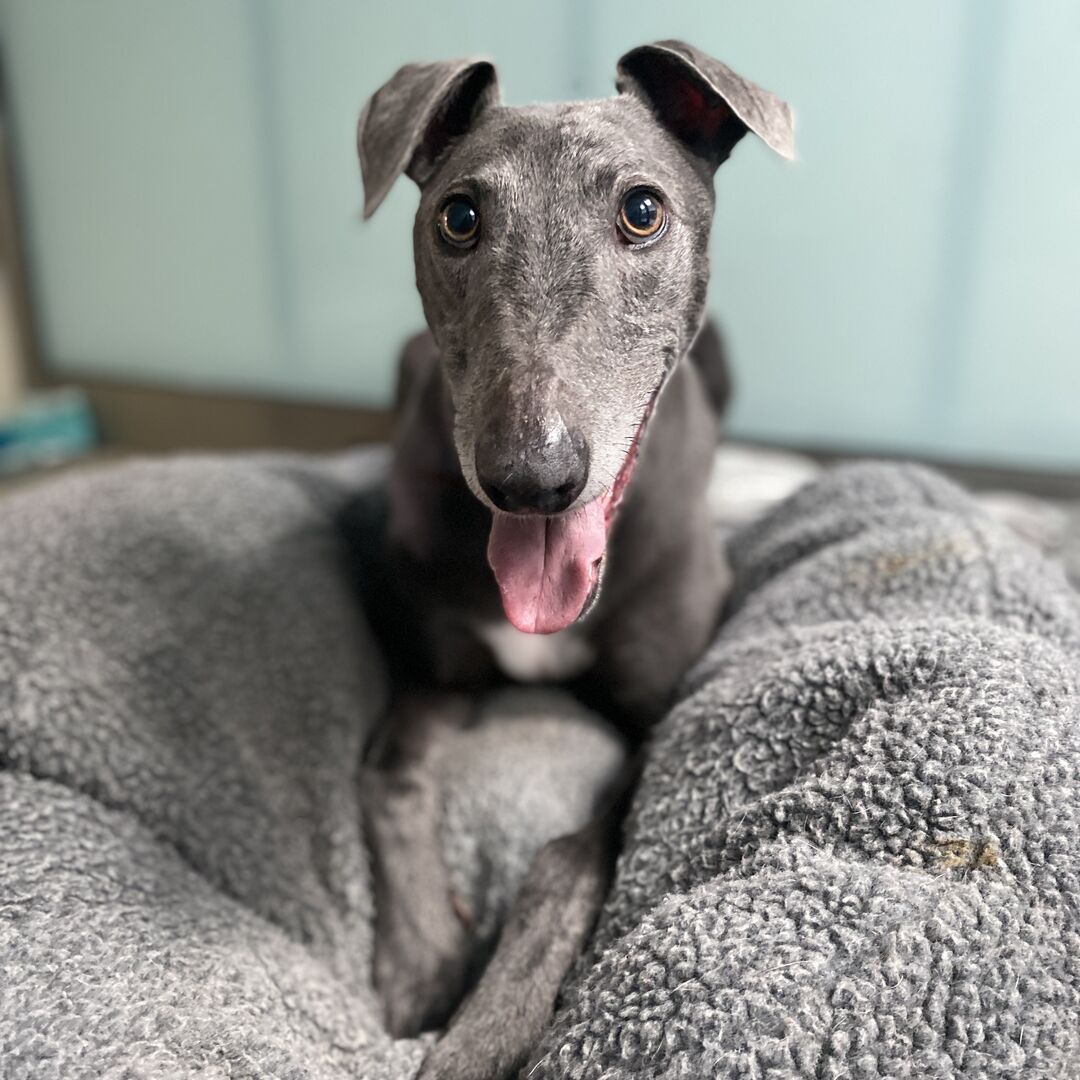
column 562, row 259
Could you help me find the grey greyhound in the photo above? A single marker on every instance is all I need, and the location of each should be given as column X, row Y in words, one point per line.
column 553, row 437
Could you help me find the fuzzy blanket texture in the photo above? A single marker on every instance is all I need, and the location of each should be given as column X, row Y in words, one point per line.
column 855, row 851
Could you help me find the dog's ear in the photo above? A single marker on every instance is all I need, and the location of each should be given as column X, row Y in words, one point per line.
column 703, row 102
column 412, row 118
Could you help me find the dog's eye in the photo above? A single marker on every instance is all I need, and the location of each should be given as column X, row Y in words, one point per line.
column 459, row 221
column 642, row 216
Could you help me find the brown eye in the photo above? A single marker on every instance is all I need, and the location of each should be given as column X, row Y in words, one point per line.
column 459, row 221
column 642, row 216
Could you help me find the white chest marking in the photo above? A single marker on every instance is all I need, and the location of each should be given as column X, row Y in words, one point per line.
column 537, row 657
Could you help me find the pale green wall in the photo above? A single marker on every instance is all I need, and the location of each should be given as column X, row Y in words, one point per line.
column 910, row 284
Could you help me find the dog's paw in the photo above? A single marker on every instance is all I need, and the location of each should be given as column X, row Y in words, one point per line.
column 452, row 1059
column 466, row 1058
column 420, row 985
column 490, row 1037
column 441, row 1064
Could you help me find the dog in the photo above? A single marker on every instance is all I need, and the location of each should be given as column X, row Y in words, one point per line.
column 545, row 509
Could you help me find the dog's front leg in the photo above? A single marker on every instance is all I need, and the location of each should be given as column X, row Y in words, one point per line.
column 549, row 923
column 422, row 940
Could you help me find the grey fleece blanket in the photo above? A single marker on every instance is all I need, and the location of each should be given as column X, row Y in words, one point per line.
column 854, row 853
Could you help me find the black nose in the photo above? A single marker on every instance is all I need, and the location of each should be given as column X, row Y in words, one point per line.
column 541, row 479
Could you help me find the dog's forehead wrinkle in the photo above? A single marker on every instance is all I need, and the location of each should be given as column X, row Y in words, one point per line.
column 584, row 147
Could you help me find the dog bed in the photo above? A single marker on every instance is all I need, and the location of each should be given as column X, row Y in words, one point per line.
column 855, row 851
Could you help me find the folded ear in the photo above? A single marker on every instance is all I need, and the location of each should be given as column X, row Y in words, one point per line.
column 703, row 102
column 412, row 118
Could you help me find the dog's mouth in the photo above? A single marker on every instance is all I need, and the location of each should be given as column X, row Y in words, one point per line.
column 549, row 568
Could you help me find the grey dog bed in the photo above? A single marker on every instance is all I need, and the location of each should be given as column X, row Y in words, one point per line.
column 854, row 853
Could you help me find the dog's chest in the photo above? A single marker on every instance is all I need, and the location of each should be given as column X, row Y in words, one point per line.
column 537, row 657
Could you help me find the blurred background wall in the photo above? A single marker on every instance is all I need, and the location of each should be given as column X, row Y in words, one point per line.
column 189, row 200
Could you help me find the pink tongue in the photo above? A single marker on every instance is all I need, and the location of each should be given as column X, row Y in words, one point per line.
column 544, row 565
